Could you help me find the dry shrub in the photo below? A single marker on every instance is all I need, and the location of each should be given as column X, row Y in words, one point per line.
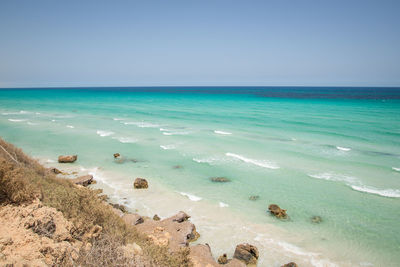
column 23, row 179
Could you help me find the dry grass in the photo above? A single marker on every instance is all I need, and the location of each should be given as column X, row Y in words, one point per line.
column 23, row 179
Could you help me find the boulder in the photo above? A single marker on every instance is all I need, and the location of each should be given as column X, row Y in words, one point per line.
column 316, row 219
column 133, row 219
column 116, row 155
column 156, row 218
column 277, row 211
column 119, row 207
column 200, row 256
column 290, row 264
column 246, row 253
column 67, row 159
column 254, row 198
column 140, row 183
column 223, row 259
column 220, row 179
column 84, row 180
column 55, row 171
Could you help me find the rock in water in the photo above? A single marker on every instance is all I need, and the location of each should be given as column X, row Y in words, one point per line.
column 140, row 183
column 246, row 253
column 116, row 155
column 223, row 259
column 67, row 159
column 83, row 180
column 290, row 264
column 277, row 211
column 156, row 218
column 254, row 198
column 316, row 219
column 220, row 179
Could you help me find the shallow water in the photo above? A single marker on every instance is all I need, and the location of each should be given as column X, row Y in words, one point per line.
column 336, row 157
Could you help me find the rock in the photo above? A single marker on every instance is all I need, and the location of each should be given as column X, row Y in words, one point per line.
column 119, row 207
column 133, row 219
column 254, row 198
column 180, row 217
column 55, row 170
column 201, row 256
column 223, row 259
column 177, row 167
column 316, row 219
column 290, row 264
column 140, row 183
column 116, row 155
column 277, row 211
column 220, row 179
column 246, row 253
column 67, row 159
column 156, row 218
column 84, row 180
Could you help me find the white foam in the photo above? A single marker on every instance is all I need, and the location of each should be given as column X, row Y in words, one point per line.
column 126, row 139
column 205, row 160
column 53, row 120
column 329, row 176
column 50, row 161
column 260, row 163
column 191, row 197
column 343, row 148
column 167, row 147
column 104, row 133
column 222, row 132
column 164, row 130
column 394, row 193
column 223, row 205
column 32, row 123
column 70, row 126
column 175, row 133
column 16, row 120
column 117, row 119
column 16, row 113
column 142, row 124
column 396, row 169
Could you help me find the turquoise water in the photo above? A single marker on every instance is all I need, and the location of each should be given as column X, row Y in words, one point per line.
column 316, row 152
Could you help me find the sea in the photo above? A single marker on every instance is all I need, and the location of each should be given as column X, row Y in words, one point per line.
column 331, row 152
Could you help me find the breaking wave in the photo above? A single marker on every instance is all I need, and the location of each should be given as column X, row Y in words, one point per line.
column 260, row 163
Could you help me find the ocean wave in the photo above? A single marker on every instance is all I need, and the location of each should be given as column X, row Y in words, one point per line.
column 167, row 147
column 343, row 148
column 175, row 133
column 16, row 113
column 126, row 139
column 223, row 205
column 142, row 124
column 329, row 176
column 260, row 163
column 104, row 133
column 70, row 126
column 393, row 193
column 117, row 119
column 396, row 169
column 206, row 160
column 32, row 123
column 191, row 197
column 16, row 120
column 222, row 132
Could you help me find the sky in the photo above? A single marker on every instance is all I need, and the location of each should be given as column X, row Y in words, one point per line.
column 201, row 43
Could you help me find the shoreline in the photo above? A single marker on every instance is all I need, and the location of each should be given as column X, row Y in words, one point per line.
column 158, row 199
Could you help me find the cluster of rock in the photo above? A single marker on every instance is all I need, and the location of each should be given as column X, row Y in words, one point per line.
column 177, row 231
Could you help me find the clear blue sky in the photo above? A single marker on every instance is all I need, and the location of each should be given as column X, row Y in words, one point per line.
column 219, row 42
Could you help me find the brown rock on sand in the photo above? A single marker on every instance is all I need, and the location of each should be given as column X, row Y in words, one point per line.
column 84, row 180
column 140, row 183
column 277, row 211
column 246, row 253
column 200, row 256
column 67, row 159
column 132, row 218
column 223, row 259
column 290, row 264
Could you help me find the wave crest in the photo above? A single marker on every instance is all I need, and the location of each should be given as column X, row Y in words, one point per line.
column 260, row 163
